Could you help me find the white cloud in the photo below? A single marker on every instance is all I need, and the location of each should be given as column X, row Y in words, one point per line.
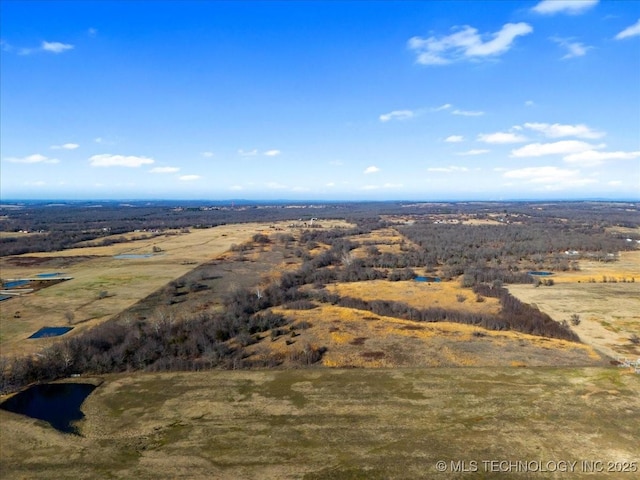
column 330, row 184
column 529, row 103
column 557, row 130
column 571, row 7
column 336, row 163
column 369, row 187
column 551, row 178
column 272, row 153
column 451, row 169
column 248, row 153
column 371, row 169
column 454, row 139
column 614, row 183
column 92, row 32
column 66, row 146
column 466, row 43
column 36, row 183
column 207, row 154
column 108, row 160
column 574, row 49
column 563, row 147
column 446, row 106
column 476, row 151
column 276, row 186
column 397, row 115
column 592, row 158
column 501, row 137
column 189, row 178
column 236, row 188
column 55, row 47
column 467, row 113
column 631, row 31
column 35, row 158
column 164, row 170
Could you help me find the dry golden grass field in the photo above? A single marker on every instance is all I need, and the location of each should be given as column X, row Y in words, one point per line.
column 355, row 338
column 609, row 312
column 339, row 424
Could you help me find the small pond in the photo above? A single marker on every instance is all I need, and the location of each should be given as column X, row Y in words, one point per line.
column 55, row 403
column 126, row 256
column 48, row 275
column 15, row 284
column 51, row 332
column 427, row 279
column 540, row 274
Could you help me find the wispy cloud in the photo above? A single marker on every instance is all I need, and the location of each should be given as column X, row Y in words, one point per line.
column 466, row 43
column 563, row 147
column 56, row 47
column 549, row 177
column 467, row 113
column 501, row 138
column 451, row 169
column 108, row 160
column 164, row 170
column 631, row 31
column 236, row 188
column 189, row 178
column 446, row 106
column 276, row 186
column 473, row 152
column 272, row 153
column 397, row 115
column 207, row 154
column 248, row 153
column 557, row 130
column 571, row 7
column 92, row 32
column 35, row 158
column 454, row 139
column 371, row 169
column 593, row 158
column 574, row 49
column 65, row 146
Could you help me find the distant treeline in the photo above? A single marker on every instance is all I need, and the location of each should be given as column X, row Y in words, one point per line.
column 64, row 225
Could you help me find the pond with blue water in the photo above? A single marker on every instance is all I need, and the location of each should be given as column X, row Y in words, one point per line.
column 540, row 273
column 56, row 403
column 127, row 256
column 426, row 279
column 45, row 332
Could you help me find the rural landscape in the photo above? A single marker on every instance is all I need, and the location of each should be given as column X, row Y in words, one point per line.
column 336, row 340
column 319, row 240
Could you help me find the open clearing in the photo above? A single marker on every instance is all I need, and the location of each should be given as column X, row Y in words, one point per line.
column 335, row 424
column 609, row 312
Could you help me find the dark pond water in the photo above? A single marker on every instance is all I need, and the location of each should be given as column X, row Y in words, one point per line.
column 55, row 403
column 427, row 279
column 15, row 283
column 48, row 275
column 51, row 332
column 541, row 274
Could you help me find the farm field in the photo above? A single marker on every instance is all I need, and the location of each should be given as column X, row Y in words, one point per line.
column 609, row 312
column 122, row 281
column 337, row 424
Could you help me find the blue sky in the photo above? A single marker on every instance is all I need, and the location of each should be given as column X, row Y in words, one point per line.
column 473, row 100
